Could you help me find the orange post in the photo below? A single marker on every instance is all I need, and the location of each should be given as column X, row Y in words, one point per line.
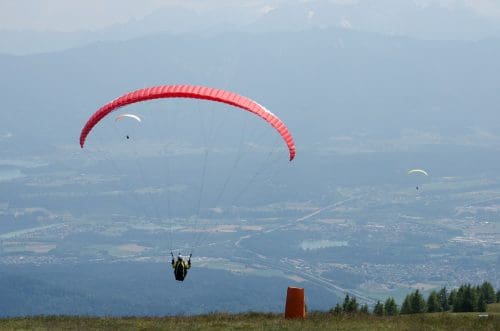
column 295, row 303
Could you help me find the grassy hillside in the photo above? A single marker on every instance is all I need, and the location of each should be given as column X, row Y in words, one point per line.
column 494, row 308
column 261, row 321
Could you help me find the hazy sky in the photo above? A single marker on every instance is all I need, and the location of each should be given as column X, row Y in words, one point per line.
column 65, row 15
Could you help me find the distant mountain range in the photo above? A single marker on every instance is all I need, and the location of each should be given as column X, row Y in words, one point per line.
column 419, row 19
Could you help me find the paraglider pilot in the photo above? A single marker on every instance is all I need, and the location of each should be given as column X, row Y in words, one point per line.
column 181, row 267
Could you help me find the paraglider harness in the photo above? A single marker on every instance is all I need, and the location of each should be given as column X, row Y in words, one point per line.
column 180, row 267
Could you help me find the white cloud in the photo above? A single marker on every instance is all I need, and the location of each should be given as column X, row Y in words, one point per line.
column 345, row 2
column 345, row 24
column 267, row 9
column 490, row 8
column 487, row 8
column 443, row 3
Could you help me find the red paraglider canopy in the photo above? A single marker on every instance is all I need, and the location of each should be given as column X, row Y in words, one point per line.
column 195, row 92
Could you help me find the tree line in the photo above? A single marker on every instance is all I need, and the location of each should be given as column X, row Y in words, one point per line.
column 466, row 298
